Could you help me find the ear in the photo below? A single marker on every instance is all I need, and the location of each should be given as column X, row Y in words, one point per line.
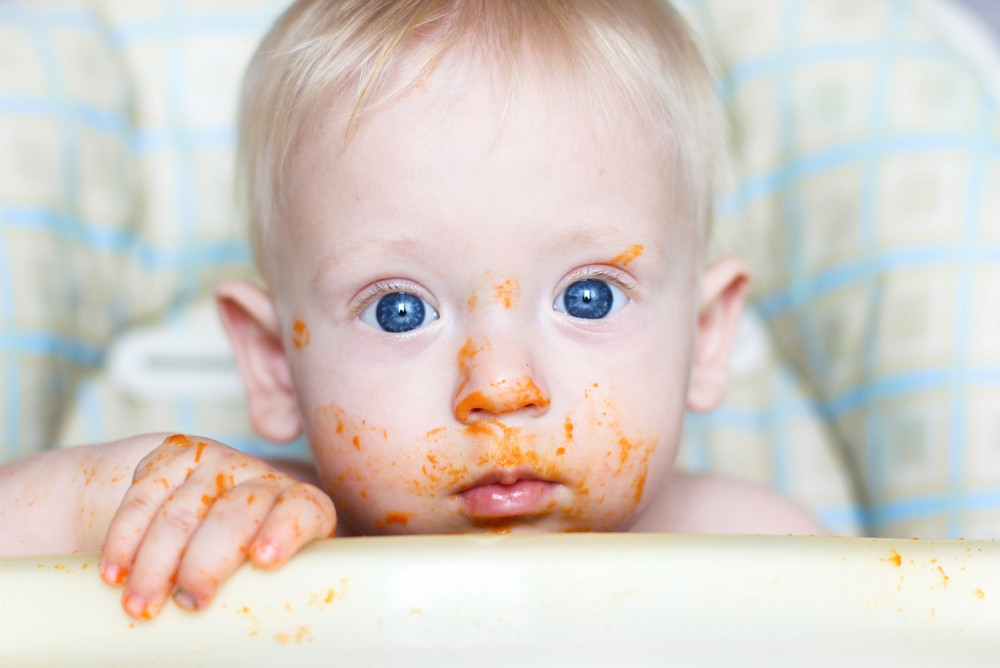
column 724, row 288
column 249, row 319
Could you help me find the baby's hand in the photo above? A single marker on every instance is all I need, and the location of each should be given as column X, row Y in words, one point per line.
column 196, row 509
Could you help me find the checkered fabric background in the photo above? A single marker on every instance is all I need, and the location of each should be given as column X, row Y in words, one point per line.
column 865, row 190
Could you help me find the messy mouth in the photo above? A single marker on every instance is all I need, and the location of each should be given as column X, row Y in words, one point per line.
column 506, row 494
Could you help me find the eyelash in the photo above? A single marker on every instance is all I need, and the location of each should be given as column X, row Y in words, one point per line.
column 376, row 290
column 602, row 273
column 373, row 292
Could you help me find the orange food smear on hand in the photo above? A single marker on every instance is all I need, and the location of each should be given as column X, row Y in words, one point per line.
column 178, row 440
column 120, row 574
column 223, row 483
column 300, row 336
column 627, row 255
column 201, row 448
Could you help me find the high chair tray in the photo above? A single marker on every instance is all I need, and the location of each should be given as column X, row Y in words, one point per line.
column 570, row 599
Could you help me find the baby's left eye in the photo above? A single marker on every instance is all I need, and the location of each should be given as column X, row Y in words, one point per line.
column 398, row 312
column 591, row 299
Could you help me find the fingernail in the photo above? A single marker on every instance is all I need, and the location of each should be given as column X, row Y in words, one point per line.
column 113, row 574
column 136, row 605
column 185, row 600
column 265, row 552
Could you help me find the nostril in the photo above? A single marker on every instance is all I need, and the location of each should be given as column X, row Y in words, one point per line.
column 502, row 398
column 474, row 402
column 527, row 393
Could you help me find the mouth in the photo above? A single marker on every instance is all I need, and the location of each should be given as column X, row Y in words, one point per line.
column 504, row 494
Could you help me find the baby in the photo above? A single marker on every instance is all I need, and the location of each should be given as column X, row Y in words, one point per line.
column 481, row 224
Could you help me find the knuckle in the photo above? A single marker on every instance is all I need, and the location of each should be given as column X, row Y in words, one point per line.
column 178, row 518
column 141, row 504
column 200, row 581
column 320, row 498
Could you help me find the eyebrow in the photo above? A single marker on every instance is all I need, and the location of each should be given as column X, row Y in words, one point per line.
column 605, row 238
column 408, row 246
column 619, row 248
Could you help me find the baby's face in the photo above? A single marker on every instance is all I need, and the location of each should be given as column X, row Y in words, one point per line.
column 487, row 329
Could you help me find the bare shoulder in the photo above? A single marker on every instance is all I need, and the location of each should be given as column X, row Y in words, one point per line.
column 711, row 504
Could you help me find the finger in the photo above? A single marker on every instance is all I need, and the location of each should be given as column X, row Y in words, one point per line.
column 302, row 514
column 220, row 544
column 155, row 565
column 156, row 476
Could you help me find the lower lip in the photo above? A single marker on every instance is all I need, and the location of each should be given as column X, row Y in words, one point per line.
column 524, row 497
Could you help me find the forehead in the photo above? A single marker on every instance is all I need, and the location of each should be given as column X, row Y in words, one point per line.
column 475, row 166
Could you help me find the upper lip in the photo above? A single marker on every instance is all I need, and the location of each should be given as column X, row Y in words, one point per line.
column 504, row 477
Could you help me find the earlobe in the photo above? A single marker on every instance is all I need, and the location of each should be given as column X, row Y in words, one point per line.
column 249, row 319
column 724, row 289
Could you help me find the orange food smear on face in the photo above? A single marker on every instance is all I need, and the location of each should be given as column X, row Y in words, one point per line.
column 560, row 452
column 640, row 481
column 626, row 449
column 357, row 442
column 507, row 450
column 473, row 401
column 506, row 399
column 627, row 255
column 472, row 302
column 300, row 334
column 569, row 429
column 466, row 354
column 394, row 518
column 640, row 484
column 507, row 293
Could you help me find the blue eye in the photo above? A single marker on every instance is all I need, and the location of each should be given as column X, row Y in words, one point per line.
column 591, row 299
column 399, row 312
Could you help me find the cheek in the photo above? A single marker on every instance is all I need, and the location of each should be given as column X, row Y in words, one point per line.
column 384, row 479
column 345, row 452
column 621, row 452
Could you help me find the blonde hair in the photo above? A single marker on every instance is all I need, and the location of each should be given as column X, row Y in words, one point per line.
column 622, row 60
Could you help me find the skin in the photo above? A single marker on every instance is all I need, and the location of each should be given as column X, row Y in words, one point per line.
column 502, row 414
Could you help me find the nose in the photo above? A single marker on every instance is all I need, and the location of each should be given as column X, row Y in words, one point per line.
column 496, row 380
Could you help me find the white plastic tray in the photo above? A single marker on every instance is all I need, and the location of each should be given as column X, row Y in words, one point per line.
column 563, row 599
